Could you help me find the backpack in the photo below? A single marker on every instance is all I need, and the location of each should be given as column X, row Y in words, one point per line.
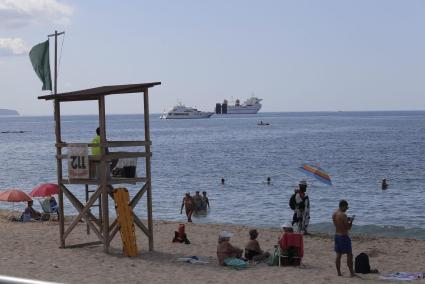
column 273, row 259
column 362, row 263
column 293, row 202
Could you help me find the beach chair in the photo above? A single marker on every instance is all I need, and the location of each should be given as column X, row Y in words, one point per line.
column 48, row 213
column 291, row 249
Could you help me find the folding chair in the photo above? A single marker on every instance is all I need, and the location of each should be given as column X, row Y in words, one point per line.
column 47, row 210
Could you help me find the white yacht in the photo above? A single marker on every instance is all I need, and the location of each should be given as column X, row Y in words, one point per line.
column 181, row 111
column 250, row 106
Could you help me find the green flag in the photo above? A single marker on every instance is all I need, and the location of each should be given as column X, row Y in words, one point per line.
column 39, row 56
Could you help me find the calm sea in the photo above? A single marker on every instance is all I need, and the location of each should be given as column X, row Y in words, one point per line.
column 357, row 149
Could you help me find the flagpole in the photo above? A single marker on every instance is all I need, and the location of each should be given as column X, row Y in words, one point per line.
column 58, row 141
column 56, row 34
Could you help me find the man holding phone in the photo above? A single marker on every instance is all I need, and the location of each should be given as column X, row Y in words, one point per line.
column 342, row 240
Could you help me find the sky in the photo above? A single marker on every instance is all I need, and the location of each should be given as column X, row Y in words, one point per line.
column 327, row 55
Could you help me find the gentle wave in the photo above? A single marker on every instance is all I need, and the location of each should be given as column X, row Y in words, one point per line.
column 374, row 230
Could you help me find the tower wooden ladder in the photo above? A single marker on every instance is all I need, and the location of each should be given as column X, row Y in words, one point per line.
column 88, row 191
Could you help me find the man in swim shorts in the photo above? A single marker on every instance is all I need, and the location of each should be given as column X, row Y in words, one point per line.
column 342, row 240
column 188, row 204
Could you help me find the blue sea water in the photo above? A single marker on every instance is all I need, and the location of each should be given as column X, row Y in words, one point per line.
column 357, row 149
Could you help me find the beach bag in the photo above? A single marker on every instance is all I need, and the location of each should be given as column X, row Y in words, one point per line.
column 292, row 202
column 362, row 263
column 234, row 262
column 273, row 259
column 26, row 217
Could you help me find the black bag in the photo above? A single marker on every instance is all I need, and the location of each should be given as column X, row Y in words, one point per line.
column 293, row 202
column 362, row 263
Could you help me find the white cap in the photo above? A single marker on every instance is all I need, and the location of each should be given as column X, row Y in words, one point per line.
column 287, row 225
column 225, row 234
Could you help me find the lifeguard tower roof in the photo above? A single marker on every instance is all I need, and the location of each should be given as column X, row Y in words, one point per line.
column 96, row 93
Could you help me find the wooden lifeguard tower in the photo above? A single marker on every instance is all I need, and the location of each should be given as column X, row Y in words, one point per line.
column 104, row 181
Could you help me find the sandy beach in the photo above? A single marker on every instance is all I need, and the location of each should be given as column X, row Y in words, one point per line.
column 31, row 250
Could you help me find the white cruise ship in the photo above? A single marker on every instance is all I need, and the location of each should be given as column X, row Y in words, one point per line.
column 250, row 106
column 181, row 111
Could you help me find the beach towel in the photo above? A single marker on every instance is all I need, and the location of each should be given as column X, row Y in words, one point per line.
column 234, row 262
column 191, row 259
column 403, row 276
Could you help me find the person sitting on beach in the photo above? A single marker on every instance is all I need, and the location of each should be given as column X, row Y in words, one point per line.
column 225, row 250
column 96, row 150
column 30, row 211
column 253, row 250
column 188, row 204
column 342, row 241
column 53, row 204
column 291, row 244
column 205, row 201
column 180, row 236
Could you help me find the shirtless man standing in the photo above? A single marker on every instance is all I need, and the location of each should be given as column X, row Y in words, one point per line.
column 188, row 204
column 342, row 240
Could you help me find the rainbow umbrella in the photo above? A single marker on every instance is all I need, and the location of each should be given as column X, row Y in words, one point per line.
column 316, row 172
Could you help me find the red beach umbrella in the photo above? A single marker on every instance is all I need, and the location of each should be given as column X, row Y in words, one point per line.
column 45, row 189
column 14, row 195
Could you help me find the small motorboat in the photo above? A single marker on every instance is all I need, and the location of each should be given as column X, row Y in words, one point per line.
column 261, row 123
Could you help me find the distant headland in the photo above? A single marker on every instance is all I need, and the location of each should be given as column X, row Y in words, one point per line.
column 8, row 112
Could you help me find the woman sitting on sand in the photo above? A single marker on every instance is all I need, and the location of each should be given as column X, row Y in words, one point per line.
column 31, row 212
column 253, row 250
column 225, row 250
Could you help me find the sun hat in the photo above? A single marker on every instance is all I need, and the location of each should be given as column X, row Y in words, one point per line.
column 225, row 234
column 287, row 225
column 302, row 182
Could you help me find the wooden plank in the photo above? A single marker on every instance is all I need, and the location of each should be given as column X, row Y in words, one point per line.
column 138, row 195
column 57, row 116
column 84, row 244
column 127, row 143
column 110, row 156
column 109, row 181
column 79, row 206
column 119, row 155
column 64, row 145
column 83, row 211
column 103, row 175
column 108, row 144
column 65, row 156
column 114, row 228
column 148, row 168
column 140, row 224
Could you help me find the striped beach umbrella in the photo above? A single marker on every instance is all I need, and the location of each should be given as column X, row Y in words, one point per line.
column 317, row 173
